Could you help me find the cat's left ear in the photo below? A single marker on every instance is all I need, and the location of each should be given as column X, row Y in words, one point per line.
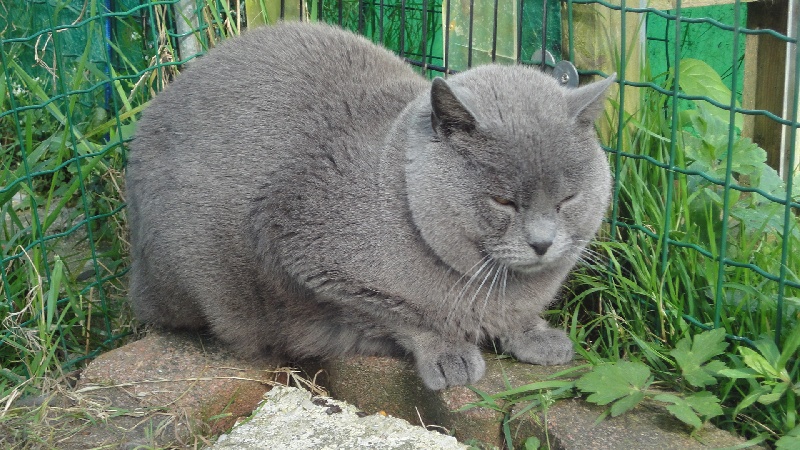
column 585, row 103
column 448, row 114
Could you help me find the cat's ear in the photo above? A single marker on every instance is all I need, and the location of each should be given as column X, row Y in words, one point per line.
column 585, row 103
column 448, row 114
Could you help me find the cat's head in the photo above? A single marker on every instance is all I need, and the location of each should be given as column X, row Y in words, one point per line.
column 504, row 163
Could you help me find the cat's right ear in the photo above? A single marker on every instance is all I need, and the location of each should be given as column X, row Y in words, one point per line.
column 586, row 102
column 448, row 114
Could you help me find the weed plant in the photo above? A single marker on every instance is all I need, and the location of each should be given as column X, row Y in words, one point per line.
column 68, row 105
column 657, row 282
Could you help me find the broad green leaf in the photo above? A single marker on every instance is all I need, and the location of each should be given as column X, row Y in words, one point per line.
column 693, row 355
column 769, row 351
column 777, row 392
column 714, row 367
column 705, row 403
column 612, row 381
column 755, row 219
column 748, row 158
column 681, row 409
column 532, row 443
column 693, row 148
column 626, row 403
column 697, row 78
column 796, row 186
column 738, row 373
column 758, row 363
column 751, row 398
column 792, row 344
column 790, row 441
column 769, row 181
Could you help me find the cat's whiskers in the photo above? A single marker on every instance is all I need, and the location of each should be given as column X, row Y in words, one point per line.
column 505, row 280
column 586, row 255
column 485, row 278
column 464, row 275
column 603, row 263
column 486, row 260
column 497, row 269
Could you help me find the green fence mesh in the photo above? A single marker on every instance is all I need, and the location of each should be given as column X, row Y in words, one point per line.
column 703, row 227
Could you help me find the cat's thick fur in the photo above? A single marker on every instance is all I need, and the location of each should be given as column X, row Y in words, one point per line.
column 304, row 193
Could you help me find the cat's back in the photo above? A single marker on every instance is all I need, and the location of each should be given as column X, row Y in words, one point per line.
column 272, row 101
column 290, row 84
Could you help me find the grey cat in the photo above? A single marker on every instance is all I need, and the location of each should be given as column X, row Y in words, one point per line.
column 304, row 193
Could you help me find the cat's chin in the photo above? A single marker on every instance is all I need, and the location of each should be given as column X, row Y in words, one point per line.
column 528, row 269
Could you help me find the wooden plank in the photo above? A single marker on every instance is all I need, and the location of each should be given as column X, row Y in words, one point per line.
column 665, row 5
column 597, row 42
column 765, row 65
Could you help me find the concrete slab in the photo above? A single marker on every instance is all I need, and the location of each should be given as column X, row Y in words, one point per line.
column 292, row 418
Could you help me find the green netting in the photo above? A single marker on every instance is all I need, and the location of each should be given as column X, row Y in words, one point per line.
column 705, row 40
column 694, row 192
column 706, row 230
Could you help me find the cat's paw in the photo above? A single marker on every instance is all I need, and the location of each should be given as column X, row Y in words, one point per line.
column 541, row 346
column 456, row 365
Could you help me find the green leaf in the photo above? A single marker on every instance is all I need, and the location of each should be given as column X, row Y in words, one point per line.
column 792, row 343
column 758, row 363
column 533, row 387
column 705, row 403
column 693, row 355
column 681, row 409
column 769, row 181
column 769, row 351
column 532, row 443
column 790, row 440
column 748, row 158
column 622, row 382
column 626, row 403
column 697, row 78
column 738, row 373
column 777, row 392
column 751, row 398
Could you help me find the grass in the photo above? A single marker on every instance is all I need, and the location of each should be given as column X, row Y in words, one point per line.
column 656, row 281
column 68, row 109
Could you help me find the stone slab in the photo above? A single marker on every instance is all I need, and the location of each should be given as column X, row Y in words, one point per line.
column 391, row 385
column 292, row 418
column 168, row 389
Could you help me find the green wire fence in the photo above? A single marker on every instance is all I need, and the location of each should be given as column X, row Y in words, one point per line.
column 703, row 226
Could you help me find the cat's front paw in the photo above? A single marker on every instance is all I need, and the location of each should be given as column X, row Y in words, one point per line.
column 456, row 365
column 546, row 347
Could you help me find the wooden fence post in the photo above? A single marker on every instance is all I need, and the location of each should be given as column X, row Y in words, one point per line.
column 764, row 76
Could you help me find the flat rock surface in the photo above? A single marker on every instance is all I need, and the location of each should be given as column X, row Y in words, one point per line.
column 179, row 390
column 186, row 371
column 292, row 418
column 391, row 385
column 166, row 390
column 572, row 424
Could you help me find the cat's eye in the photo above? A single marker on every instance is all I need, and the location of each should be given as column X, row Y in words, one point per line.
column 504, row 201
column 562, row 202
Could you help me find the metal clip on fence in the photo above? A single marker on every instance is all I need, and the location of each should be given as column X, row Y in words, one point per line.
column 563, row 71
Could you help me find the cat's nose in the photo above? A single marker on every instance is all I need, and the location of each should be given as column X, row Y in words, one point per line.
column 540, row 247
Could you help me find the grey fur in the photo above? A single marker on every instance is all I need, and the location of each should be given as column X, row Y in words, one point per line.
column 304, row 193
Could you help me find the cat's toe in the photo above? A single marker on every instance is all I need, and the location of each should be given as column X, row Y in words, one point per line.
column 545, row 347
column 453, row 367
